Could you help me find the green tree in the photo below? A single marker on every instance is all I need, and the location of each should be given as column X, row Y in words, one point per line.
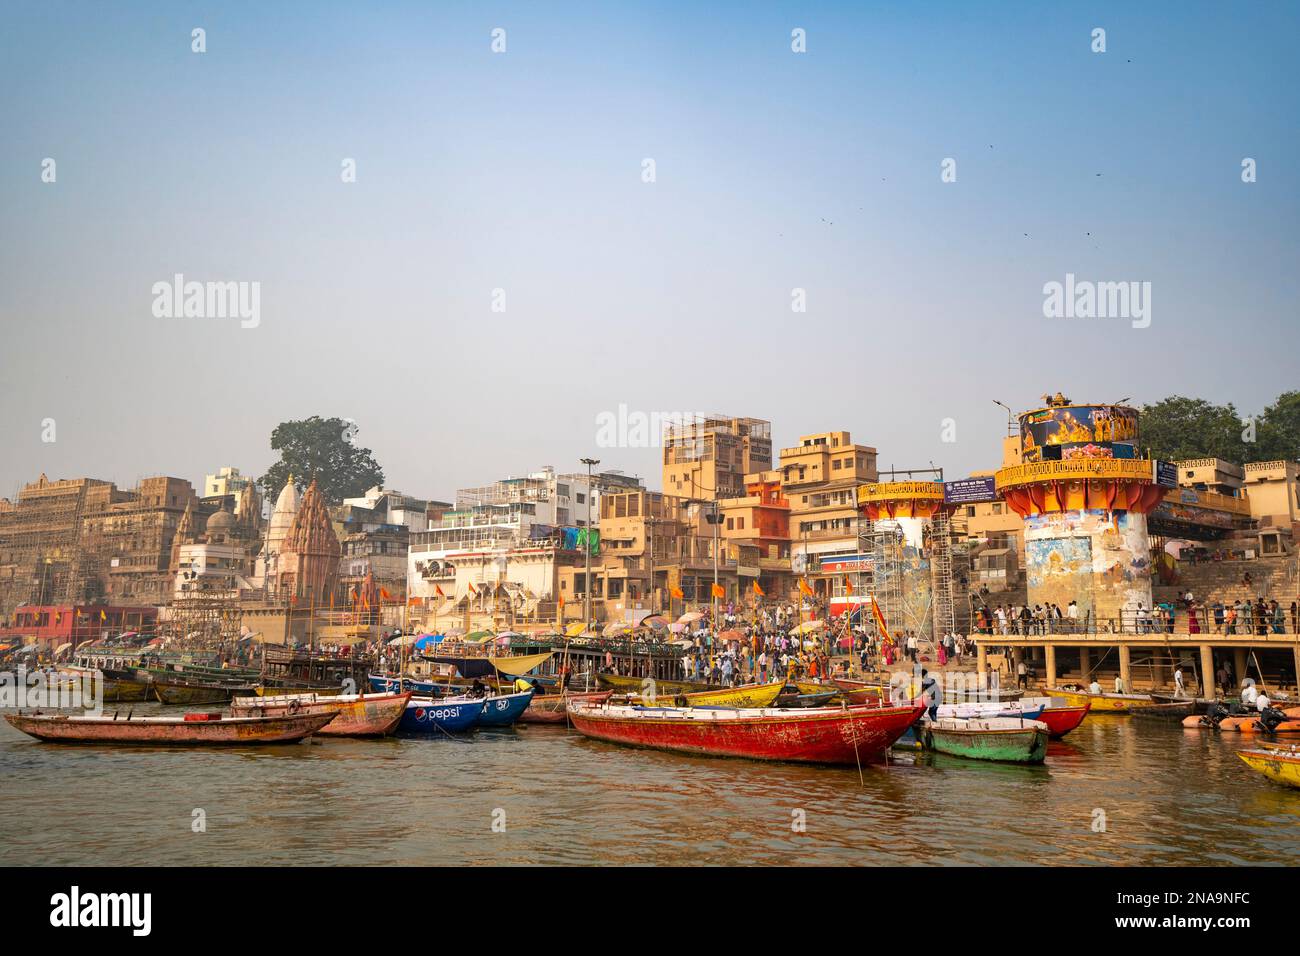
column 321, row 449
column 1177, row 428
column 1278, row 430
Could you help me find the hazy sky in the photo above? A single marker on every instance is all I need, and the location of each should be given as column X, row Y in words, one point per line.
column 522, row 171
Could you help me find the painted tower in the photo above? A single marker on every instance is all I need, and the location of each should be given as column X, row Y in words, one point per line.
column 308, row 566
column 1084, row 493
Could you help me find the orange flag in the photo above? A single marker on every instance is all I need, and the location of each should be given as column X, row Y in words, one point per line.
column 472, row 589
column 384, row 595
column 438, row 588
column 757, row 589
column 561, row 602
column 718, row 591
column 805, row 587
column 677, row 593
column 848, row 585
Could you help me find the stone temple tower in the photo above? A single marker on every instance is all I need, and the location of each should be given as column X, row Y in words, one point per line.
column 308, row 565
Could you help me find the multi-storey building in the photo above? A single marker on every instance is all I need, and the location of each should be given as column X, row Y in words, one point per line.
column 708, row 458
column 820, row 478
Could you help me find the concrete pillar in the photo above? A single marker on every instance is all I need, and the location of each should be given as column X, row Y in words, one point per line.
column 981, row 657
column 1049, row 653
column 1125, row 668
column 1296, row 652
column 1085, row 663
column 1207, row 670
column 1238, row 665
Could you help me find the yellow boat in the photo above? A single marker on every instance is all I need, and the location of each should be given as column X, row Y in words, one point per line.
column 1101, row 703
column 1275, row 764
column 632, row 685
column 748, row 695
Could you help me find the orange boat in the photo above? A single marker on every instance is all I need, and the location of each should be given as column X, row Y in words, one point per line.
column 359, row 715
column 187, row 731
column 554, row 708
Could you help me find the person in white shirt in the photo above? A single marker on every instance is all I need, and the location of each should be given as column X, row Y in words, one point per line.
column 1119, row 685
column 1262, row 702
column 1072, row 612
column 1094, row 687
column 1248, row 692
column 1178, row 682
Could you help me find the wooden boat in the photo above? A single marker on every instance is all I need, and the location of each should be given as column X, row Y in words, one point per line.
column 554, row 708
column 502, row 710
column 424, row 715
column 1061, row 718
column 1025, row 710
column 359, row 715
column 747, row 695
column 1277, row 765
column 1007, row 739
column 1102, row 703
column 1199, row 704
column 1175, row 710
column 186, row 730
column 189, row 693
column 664, row 688
column 112, row 688
column 840, row 735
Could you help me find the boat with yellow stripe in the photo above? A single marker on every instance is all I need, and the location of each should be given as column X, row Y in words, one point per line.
column 632, row 685
column 1279, row 765
column 1102, row 703
column 747, row 695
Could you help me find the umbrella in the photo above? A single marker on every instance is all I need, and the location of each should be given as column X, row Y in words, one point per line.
column 690, row 617
column 574, row 629
column 405, row 640
column 808, row 627
column 510, row 634
column 478, row 637
column 428, row 640
column 618, row 628
column 62, row 648
column 731, row 635
column 677, row 627
column 657, row 621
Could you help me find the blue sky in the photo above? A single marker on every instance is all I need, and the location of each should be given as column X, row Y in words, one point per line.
column 522, row 171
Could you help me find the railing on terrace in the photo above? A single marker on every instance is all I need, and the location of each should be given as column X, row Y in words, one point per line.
column 1198, row 624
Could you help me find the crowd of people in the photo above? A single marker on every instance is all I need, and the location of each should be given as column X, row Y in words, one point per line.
column 1186, row 615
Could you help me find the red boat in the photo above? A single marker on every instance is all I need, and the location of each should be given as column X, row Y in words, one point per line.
column 814, row 735
column 553, row 708
column 1061, row 720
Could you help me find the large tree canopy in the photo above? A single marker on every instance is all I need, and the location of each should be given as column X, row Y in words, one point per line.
column 1178, row 428
column 321, row 449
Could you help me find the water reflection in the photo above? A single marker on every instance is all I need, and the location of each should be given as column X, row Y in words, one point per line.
column 1167, row 797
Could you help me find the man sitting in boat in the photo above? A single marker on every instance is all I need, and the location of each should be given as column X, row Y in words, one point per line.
column 1248, row 693
column 477, row 689
column 1094, row 687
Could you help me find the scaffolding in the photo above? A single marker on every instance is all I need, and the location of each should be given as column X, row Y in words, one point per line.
column 941, row 571
column 210, row 622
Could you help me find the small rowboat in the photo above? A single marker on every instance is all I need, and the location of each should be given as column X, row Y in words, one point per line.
column 1275, row 764
column 113, row 688
column 1007, row 739
column 1026, row 710
column 359, row 715
column 1102, row 703
column 747, row 695
column 839, row 735
column 424, row 715
column 187, row 730
column 503, row 710
column 188, row 693
column 554, row 708
column 1175, row 710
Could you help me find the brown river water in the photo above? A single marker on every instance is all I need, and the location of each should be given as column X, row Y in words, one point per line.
column 543, row 794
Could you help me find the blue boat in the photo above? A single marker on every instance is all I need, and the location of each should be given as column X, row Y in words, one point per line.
column 504, row 709
column 424, row 715
column 390, row 685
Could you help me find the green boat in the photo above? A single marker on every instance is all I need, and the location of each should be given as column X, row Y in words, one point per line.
column 1007, row 739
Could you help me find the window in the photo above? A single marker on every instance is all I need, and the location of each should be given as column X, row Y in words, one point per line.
column 836, row 465
column 582, row 499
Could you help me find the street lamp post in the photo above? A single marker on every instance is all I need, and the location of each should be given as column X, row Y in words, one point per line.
column 586, row 584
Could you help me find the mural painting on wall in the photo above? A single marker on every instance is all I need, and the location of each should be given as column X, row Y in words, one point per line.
column 1081, row 431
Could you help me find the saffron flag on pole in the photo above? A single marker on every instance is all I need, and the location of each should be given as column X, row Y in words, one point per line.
column 848, row 584
column 472, row 590
column 805, row 587
column 757, row 589
column 718, row 591
column 438, row 588
column 880, row 622
column 384, row 595
column 677, row 593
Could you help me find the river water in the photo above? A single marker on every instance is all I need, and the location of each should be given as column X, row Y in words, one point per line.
column 1116, row 791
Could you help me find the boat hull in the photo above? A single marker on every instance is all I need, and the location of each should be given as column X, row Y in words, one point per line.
column 190, row 694
column 374, row 715
column 832, row 736
column 424, row 715
column 170, row 731
column 1061, row 720
column 750, row 695
column 1026, row 744
column 504, row 709
column 664, row 688
column 1175, row 710
column 1277, row 766
column 1103, row 703
column 554, row 708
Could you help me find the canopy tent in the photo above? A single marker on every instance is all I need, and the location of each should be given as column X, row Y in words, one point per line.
column 690, row 617
column 807, row 627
